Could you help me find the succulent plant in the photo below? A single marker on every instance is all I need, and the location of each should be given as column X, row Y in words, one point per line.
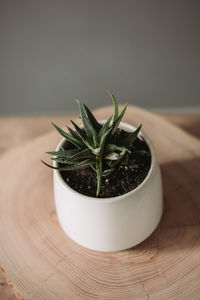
column 95, row 145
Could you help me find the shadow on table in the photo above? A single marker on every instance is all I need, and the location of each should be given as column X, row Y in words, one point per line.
column 193, row 128
column 189, row 123
column 181, row 218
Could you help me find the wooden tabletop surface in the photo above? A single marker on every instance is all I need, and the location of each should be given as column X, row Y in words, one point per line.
column 17, row 130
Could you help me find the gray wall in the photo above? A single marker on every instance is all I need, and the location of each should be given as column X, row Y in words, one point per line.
column 146, row 52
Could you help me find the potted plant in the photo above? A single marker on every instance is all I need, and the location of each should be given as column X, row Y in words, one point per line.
column 107, row 182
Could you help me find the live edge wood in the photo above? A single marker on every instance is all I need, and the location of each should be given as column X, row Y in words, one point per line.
column 41, row 262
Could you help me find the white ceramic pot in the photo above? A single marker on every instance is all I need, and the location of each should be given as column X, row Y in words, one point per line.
column 111, row 224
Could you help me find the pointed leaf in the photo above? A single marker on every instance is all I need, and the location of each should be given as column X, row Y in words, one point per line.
column 56, row 168
column 115, row 105
column 72, row 132
column 105, row 127
column 92, row 119
column 99, row 174
column 64, row 153
column 83, row 164
column 86, row 153
column 103, row 138
column 82, row 135
column 65, row 161
column 113, row 164
column 129, row 140
column 75, row 162
column 89, row 129
column 95, row 139
column 60, row 160
column 93, row 168
column 68, row 137
column 125, row 159
column 118, row 120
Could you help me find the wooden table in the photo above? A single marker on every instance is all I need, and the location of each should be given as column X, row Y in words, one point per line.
column 17, row 130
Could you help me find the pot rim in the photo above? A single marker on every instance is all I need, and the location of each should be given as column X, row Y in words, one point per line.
column 153, row 166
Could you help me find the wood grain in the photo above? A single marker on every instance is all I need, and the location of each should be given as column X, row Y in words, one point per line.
column 41, row 262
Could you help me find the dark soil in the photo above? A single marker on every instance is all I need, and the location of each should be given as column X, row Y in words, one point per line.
column 120, row 182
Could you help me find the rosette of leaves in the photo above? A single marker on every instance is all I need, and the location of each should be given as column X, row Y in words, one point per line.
column 95, row 145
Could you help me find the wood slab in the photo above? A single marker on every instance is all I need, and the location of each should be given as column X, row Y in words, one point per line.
column 41, row 262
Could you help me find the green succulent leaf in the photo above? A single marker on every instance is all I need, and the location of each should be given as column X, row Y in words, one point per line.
column 105, row 127
column 112, row 156
column 103, row 137
column 68, row 137
column 113, row 164
column 97, row 126
column 96, row 145
column 99, row 174
column 107, row 172
column 82, row 135
column 112, row 147
column 127, row 142
column 125, row 160
column 118, row 120
column 89, row 129
column 95, row 140
column 72, row 132
column 80, row 165
column 52, row 167
column 64, row 153
column 65, row 161
column 59, row 160
column 115, row 105
column 86, row 153
column 68, row 162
